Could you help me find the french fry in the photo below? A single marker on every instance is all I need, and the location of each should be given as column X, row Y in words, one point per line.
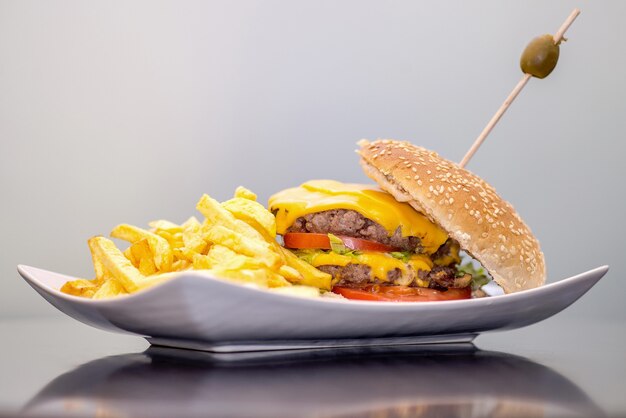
column 291, row 274
column 143, row 257
column 195, row 245
column 163, row 255
column 192, row 238
column 182, row 254
column 185, row 240
column 224, row 257
column 81, row 287
column 245, row 193
column 175, row 240
column 97, row 264
column 216, row 215
column 253, row 213
column 310, row 275
column 202, row 262
column 129, row 255
column 168, row 230
column 116, row 263
column 239, row 243
column 109, row 289
column 180, row 265
column 164, row 225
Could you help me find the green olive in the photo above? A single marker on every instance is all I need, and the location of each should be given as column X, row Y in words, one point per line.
column 540, row 56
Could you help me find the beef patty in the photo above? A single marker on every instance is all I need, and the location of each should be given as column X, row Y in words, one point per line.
column 357, row 275
column 352, row 224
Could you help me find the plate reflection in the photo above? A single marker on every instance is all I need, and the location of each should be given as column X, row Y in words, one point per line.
column 418, row 381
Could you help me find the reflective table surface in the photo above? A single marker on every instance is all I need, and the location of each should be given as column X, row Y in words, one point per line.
column 562, row 367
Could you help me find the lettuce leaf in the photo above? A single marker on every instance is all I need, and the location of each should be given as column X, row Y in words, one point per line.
column 479, row 275
column 306, row 255
column 402, row 255
column 337, row 245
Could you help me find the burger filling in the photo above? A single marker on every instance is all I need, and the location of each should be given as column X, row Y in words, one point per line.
column 369, row 242
column 406, row 265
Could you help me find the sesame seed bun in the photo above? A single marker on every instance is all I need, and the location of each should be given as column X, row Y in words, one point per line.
column 464, row 205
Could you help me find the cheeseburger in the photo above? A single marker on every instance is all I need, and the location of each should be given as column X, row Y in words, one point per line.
column 400, row 241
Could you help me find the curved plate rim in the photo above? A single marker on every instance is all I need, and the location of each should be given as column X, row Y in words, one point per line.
column 27, row 274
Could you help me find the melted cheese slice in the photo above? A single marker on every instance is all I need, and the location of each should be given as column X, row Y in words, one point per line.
column 380, row 263
column 371, row 202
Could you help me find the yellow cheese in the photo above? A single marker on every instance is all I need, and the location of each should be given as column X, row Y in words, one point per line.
column 331, row 259
column 421, row 262
column 371, row 202
column 380, row 263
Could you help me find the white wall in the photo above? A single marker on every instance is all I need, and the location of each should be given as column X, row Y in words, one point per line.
column 128, row 111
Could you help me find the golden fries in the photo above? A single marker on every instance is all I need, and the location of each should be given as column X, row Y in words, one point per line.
column 236, row 242
column 116, row 263
column 310, row 276
column 240, row 244
column 141, row 257
column 109, row 289
column 81, row 287
column 252, row 213
column 160, row 246
column 244, row 193
column 216, row 215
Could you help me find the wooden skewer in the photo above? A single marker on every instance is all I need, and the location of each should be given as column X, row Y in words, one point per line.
column 558, row 36
column 483, row 135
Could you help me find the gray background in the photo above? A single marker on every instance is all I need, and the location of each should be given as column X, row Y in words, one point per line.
column 117, row 112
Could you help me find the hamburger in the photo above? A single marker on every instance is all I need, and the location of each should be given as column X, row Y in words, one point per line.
column 401, row 240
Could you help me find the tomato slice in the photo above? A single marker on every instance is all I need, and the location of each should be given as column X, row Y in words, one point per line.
column 313, row 240
column 401, row 293
column 306, row 240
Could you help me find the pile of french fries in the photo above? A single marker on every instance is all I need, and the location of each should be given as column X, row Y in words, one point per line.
column 236, row 242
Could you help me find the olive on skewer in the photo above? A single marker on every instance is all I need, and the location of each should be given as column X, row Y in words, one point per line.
column 538, row 60
column 540, row 56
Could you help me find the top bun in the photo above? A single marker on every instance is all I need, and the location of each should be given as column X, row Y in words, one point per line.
column 464, row 205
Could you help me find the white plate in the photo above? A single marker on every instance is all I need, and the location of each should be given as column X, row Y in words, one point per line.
column 194, row 310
